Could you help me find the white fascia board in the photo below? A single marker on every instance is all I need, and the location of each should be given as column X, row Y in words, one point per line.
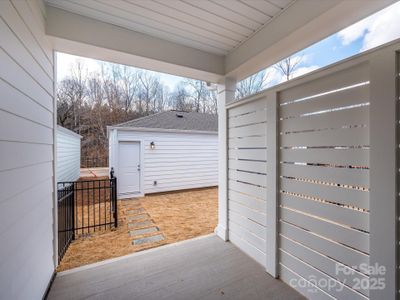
column 145, row 129
column 299, row 26
column 78, row 35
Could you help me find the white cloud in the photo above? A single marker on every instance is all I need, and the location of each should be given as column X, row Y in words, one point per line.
column 377, row 29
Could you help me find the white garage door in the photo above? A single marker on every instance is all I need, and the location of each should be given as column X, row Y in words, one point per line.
column 129, row 167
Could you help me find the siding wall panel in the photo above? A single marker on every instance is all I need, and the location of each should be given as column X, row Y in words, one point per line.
column 179, row 160
column 26, row 148
column 68, row 155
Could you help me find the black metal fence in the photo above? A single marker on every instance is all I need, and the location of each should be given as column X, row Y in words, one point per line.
column 85, row 207
column 94, row 162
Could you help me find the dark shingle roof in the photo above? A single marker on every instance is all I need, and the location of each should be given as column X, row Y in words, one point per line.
column 176, row 120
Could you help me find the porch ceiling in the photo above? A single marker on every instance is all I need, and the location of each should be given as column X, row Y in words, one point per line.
column 215, row 26
column 206, row 39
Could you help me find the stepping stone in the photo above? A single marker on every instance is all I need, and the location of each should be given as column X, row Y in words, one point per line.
column 150, row 239
column 141, row 224
column 138, row 217
column 136, row 211
column 143, row 231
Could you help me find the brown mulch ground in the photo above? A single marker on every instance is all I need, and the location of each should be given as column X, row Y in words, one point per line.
column 179, row 215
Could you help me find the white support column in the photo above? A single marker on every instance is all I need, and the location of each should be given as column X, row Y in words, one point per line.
column 226, row 94
column 383, row 172
column 272, row 185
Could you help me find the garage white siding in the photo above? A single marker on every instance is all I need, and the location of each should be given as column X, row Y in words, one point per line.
column 68, row 155
column 26, row 147
column 178, row 161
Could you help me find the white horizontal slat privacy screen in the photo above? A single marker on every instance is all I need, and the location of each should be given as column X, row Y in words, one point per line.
column 313, row 179
column 247, row 178
column 324, row 187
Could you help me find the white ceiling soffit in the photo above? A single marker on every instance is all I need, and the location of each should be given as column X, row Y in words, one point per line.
column 215, row 26
column 201, row 39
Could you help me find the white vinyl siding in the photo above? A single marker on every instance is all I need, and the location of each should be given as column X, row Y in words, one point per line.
column 26, row 147
column 179, row 160
column 68, row 155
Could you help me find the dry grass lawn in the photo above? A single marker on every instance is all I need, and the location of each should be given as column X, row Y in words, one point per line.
column 178, row 215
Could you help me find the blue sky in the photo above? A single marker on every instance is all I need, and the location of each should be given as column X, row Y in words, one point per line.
column 368, row 33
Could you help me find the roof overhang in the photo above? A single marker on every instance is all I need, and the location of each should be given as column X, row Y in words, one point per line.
column 163, row 130
column 300, row 25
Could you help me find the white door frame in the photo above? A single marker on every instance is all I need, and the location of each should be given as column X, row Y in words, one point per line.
column 141, row 181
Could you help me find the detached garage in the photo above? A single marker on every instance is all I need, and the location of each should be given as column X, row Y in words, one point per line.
column 166, row 151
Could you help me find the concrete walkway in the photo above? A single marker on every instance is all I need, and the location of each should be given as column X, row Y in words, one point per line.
column 202, row 268
column 94, row 172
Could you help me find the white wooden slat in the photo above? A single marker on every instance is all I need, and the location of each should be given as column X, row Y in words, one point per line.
column 21, row 204
column 332, row 193
column 335, row 137
column 251, row 130
column 248, row 154
column 27, row 109
column 347, row 236
column 20, row 179
column 23, row 33
column 264, row 6
column 186, row 17
column 126, row 21
column 307, row 290
column 278, row 3
column 34, row 20
column 335, row 119
column 247, row 10
column 15, row 155
column 257, row 179
column 246, row 235
column 348, row 276
column 257, row 116
column 17, row 50
column 179, row 166
column 13, row 128
column 207, row 16
column 348, row 77
column 245, row 222
column 349, row 176
column 339, row 157
column 251, row 202
column 182, row 176
column 346, row 216
column 248, row 142
column 247, row 248
column 327, row 247
column 256, row 105
column 23, row 82
column 353, row 96
column 247, row 165
column 306, row 271
column 157, row 17
column 141, row 23
column 248, row 189
column 227, row 14
column 254, row 215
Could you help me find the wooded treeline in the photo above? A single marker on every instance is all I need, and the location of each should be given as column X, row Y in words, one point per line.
column 88, row 102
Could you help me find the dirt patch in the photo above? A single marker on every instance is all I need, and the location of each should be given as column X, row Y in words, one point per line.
column 178, row 215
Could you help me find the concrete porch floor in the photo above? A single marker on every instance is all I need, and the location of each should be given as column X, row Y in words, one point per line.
column 202, row 268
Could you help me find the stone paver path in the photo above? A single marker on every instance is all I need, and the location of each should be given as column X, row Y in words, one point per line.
column 144, row 230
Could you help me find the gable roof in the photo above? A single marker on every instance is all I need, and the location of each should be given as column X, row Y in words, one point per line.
column 178, row 120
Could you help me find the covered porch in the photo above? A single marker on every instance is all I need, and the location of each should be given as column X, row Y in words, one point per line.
column 308, row 169
column 201, row 268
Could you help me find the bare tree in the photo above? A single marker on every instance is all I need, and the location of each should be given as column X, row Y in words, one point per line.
column 288, row 66
column 252, row 84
